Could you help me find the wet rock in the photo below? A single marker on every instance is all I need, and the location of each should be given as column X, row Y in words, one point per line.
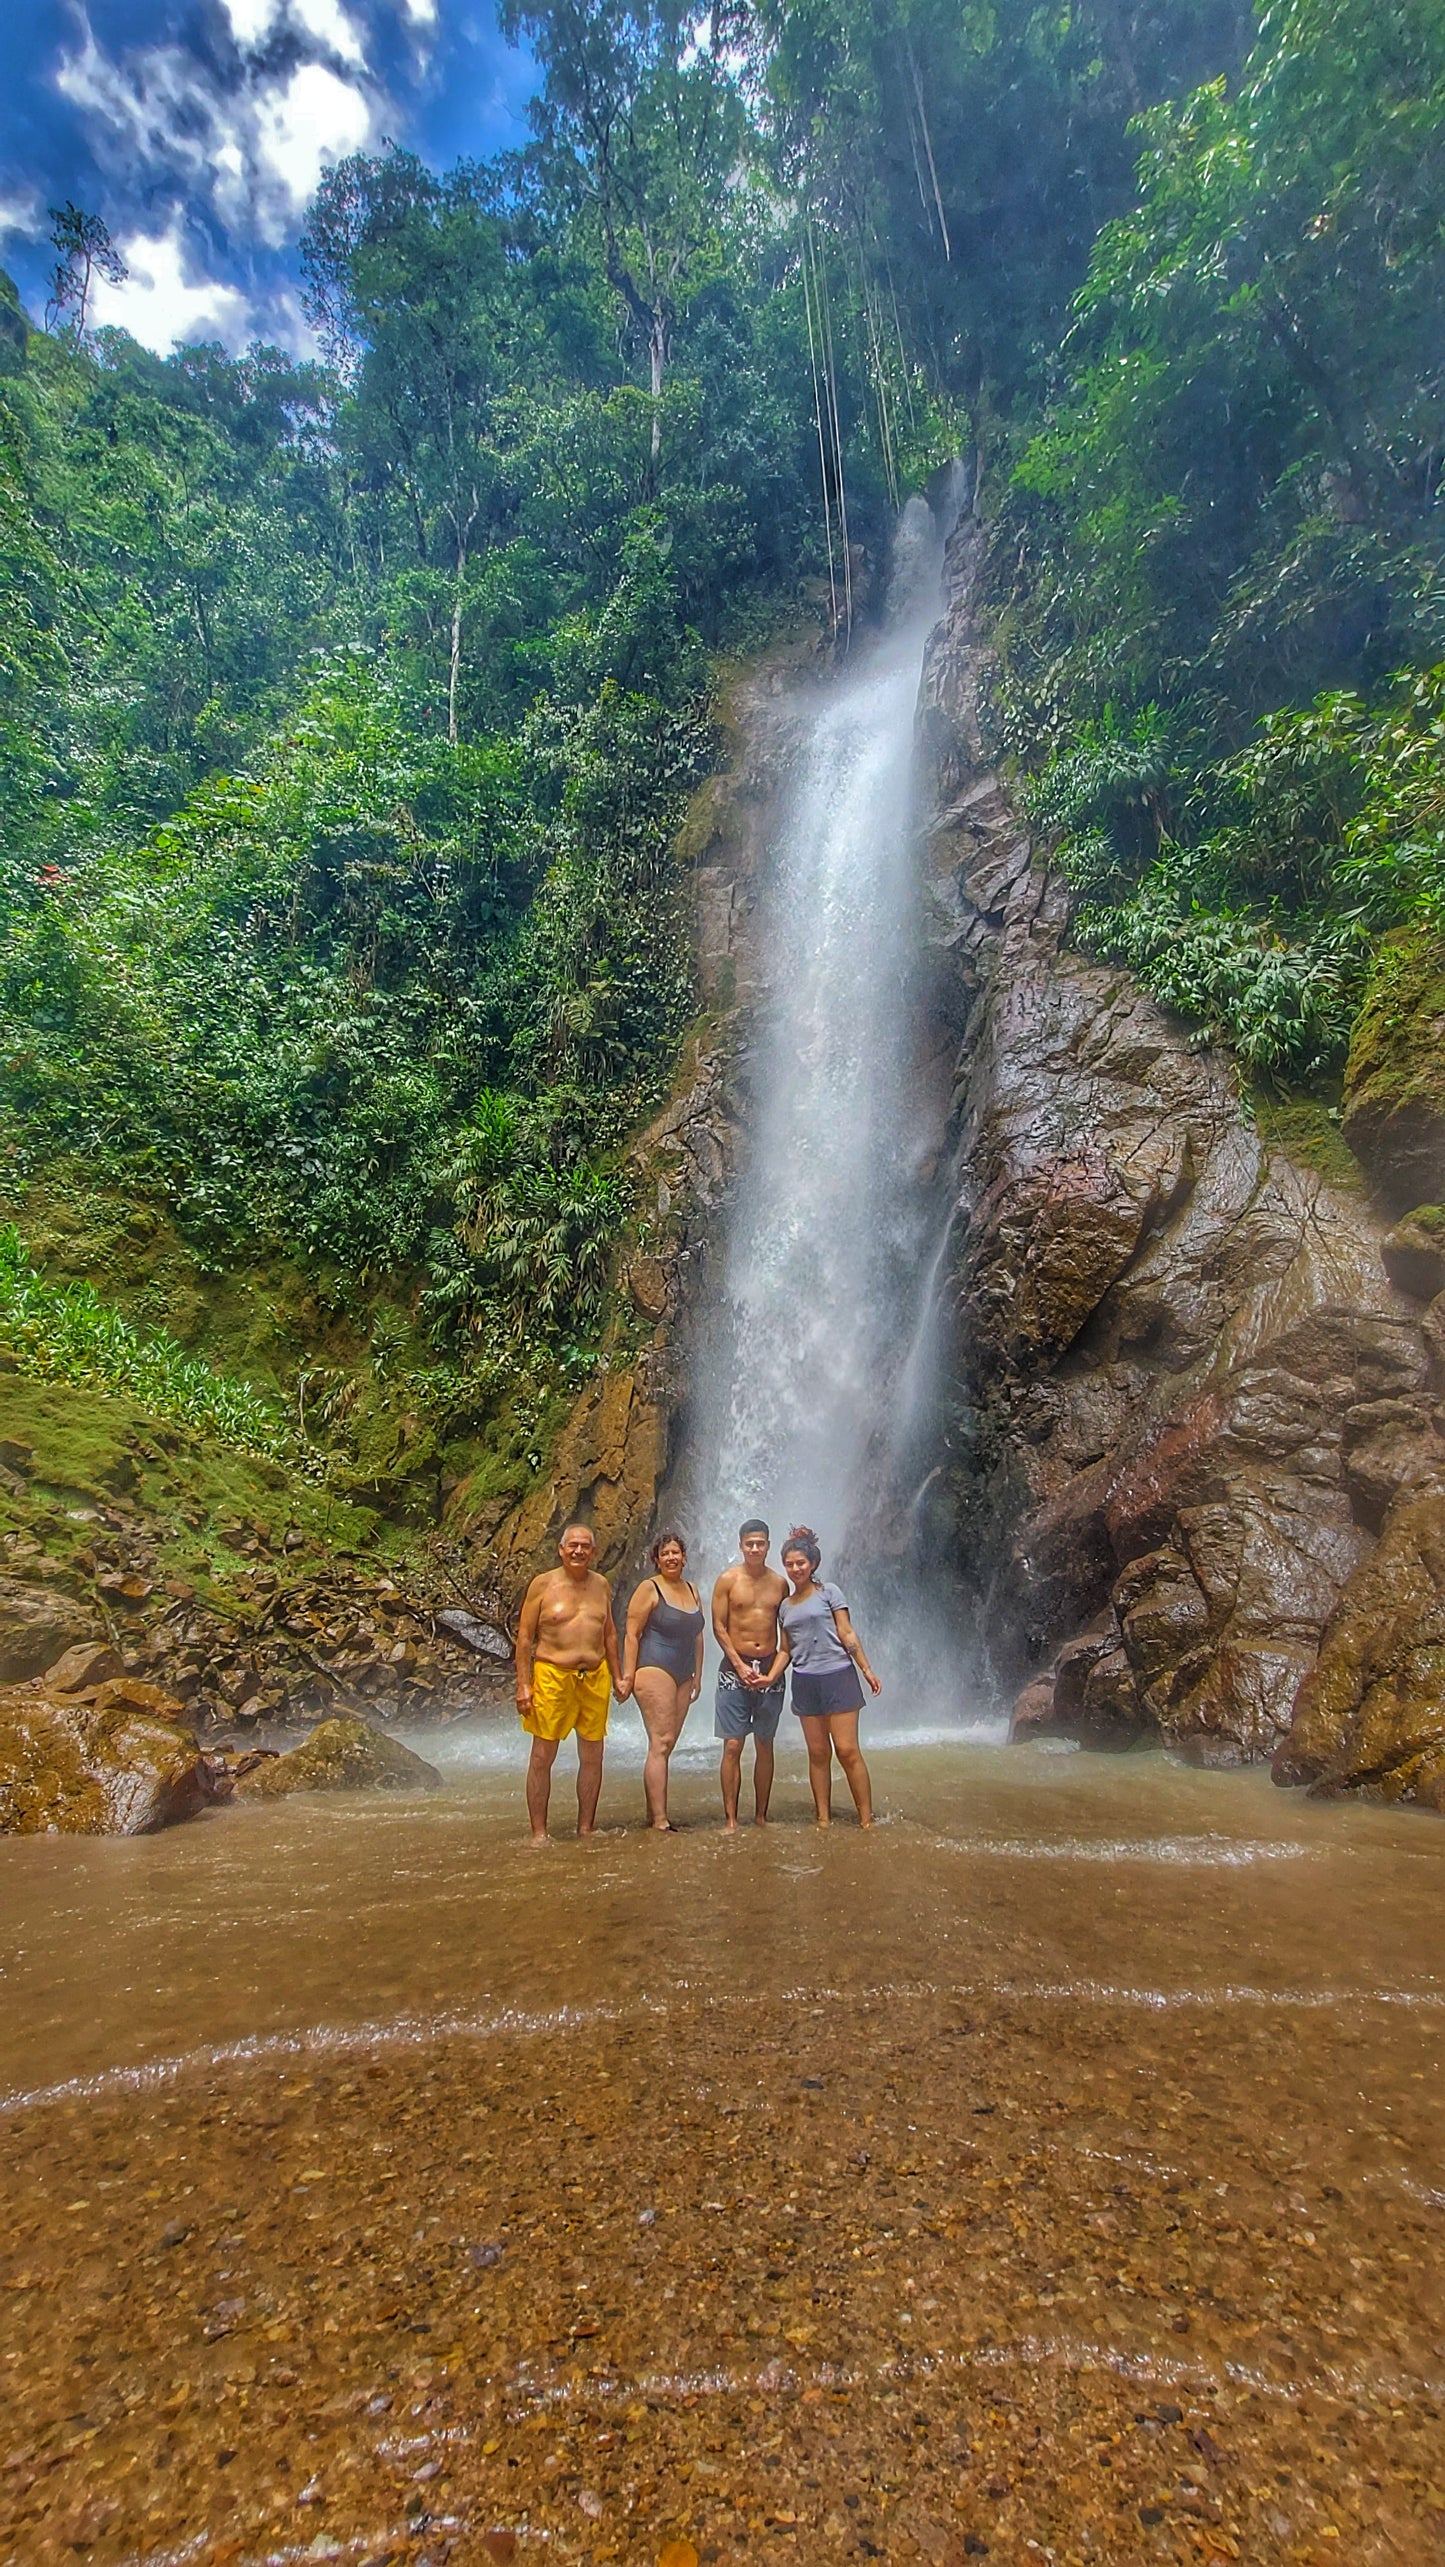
column 1414, row 1252
column 1370, row 1713
column 1190, row 1387
column 484, row 1639
column 647, row 1285
column 38, row 1623
column 70, row 1768
column 134, row 1694
column 1110, row 1713
column 82, row 1669
column 1388, row 1445
column 341, row 1755
column 1033, row 1712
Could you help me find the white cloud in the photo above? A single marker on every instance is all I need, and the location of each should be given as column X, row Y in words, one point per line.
column 422, row 13
column 151, row 110
column 251, row 21
column 20, row 213
column 254, row 148
column 327, row 22
column 159, row 306
column 317, row 118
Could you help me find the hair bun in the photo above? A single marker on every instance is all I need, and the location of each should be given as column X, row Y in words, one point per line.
column 802, row 1533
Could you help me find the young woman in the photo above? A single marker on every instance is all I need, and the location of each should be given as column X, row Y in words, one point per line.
column 816, row 1635
column 662, row 1662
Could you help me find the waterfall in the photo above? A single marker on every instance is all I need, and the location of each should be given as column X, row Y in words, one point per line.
column 815, row 1395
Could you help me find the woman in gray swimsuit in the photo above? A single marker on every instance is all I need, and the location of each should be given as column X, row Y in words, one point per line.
column 662, row 1662
column 816, row 1634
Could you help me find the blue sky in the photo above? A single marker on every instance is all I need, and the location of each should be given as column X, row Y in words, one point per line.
column 198, row 129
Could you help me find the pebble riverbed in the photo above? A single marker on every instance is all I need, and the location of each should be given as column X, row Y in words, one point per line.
column 1054, row 2176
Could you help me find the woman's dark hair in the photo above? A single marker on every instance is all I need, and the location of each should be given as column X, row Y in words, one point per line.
column 804, row 1539
column 660, row 1545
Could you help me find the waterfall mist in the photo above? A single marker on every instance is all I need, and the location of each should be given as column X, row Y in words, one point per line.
column 816, row 1390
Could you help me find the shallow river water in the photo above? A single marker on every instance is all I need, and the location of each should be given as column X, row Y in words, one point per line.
column 1053, row 2175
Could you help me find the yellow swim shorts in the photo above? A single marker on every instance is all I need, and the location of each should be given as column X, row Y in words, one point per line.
column 568, row 1698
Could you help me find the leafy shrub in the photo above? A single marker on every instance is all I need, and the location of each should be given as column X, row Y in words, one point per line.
column 1287, row 1009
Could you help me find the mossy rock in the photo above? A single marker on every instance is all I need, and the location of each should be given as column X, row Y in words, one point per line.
column 342, row 1756
column 1414, row 1252
column 68, row 1769
column 1394, row 1094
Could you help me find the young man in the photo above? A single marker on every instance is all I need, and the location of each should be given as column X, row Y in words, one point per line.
column 745, row 1605
column 566, row 1671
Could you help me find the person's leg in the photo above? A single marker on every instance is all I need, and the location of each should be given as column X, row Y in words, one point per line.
column 589, row 1783
column 539, row 1785
column 762, row 1779
column 663, row 1708
column 731, row 1778
column 767, row 1712
column 844, row 1728
column 820, row 1764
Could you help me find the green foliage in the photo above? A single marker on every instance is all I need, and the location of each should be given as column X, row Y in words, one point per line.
column 1260, row 917
column 66, row 1333
column 1233, row 493
column 1287, row 1008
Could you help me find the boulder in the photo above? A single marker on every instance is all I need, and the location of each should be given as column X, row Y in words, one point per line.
column 1394, row 1091
column 135, row 1693
column 647, row 1285
column 1414, row 1252
column 37, row 1624
column 1387, row 1445
column 1370, row 1713
column 341, row 1755
column 83, row 1669
column 68, row 1768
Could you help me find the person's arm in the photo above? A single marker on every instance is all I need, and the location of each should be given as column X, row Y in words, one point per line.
column 697, row 1666
column 784, row 1653
column 639, row 1614
column 527, row 1642
column 854, row 1646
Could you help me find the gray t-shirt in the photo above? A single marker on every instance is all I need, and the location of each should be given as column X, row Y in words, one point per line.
column 812, row 1632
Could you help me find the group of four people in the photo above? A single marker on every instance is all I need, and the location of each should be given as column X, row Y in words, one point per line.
column 569, row 1666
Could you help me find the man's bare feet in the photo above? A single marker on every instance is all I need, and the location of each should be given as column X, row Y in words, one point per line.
column 730, row 1827
column 586, row 1831
column 539, row 1836
column 762, row 1819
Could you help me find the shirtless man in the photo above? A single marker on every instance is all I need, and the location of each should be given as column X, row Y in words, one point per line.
column 745, row 1605
column 566, row 1670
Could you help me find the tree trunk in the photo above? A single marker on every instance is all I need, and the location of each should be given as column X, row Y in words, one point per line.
column 658, row 352
column 456, row 660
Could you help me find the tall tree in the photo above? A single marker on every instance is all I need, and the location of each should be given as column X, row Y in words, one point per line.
column 84, row 250
column 640, row 127
column 405, row 280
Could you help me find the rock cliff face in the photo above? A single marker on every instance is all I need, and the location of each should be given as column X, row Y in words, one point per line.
column 1190, row 1395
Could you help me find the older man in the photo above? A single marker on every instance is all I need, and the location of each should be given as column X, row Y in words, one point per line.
column 566, row 1670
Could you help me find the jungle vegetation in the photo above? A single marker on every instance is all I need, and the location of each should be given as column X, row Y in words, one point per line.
column 349, row 707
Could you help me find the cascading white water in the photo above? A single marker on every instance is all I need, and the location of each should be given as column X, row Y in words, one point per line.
column 809, row 1398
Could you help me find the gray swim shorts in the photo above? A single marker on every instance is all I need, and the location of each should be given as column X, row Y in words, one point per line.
column 740, row 1712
